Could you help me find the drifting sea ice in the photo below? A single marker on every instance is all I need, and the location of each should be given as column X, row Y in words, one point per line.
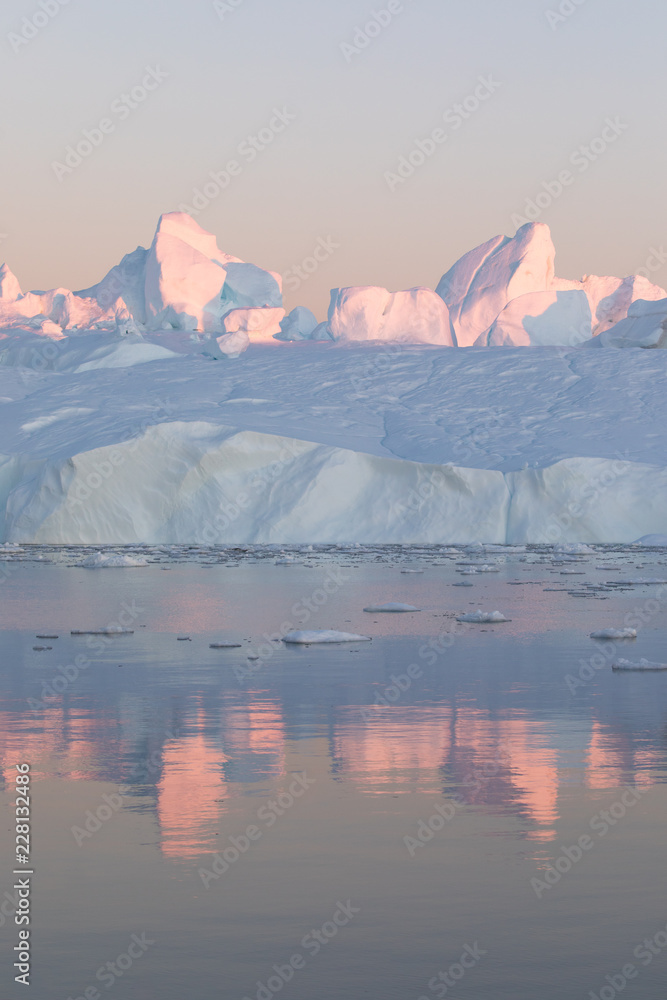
column 380, row 608
column 483, row 617
column 642, row 665
column 110, row 630
column 323, row 636
column 112, row 560
column 615, row 633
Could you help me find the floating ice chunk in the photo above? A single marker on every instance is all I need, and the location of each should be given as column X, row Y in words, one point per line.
column 483, row 617
column 41, row 649
column 109, row 630
column 381, row 608
column 46, row 637
column 484, row 568
column 323, row 636
column 572, row 548
column 225, row 645
column 111, row 560
column 412, row 571
column 642, row 665
column 640, row 581
column 615, row 633
column 288, row 561
column 463, row 583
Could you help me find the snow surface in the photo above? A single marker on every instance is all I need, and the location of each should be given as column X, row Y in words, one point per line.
column 323, row 636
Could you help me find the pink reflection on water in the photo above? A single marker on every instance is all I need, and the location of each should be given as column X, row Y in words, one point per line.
column 190, row 792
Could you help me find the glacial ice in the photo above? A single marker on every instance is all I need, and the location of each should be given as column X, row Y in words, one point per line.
column 415, row 316
column 122, row 422
column 299, row 325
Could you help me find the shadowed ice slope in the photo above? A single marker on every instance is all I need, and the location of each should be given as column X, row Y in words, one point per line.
column 319, row 443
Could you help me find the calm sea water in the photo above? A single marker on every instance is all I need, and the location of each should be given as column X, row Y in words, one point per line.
column 485, row 802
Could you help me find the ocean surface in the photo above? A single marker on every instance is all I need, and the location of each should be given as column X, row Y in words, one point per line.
column 465, row 810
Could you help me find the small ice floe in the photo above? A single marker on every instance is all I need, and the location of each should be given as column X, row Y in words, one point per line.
column 287, row 561
column 225, row 645
column 463, row 583
column 642, row 665
column 639, row 581
column 183, row 638
column 111, row 560
column 483, row 617
column 41, row 649
column 109, row 630
column 572, row 572
column 412, row 571
column 322, row 636
column 615, row 633
column 572, row 548
column 46, row 637
column 382, row 608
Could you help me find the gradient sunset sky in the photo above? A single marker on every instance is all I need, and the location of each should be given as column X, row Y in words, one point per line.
column 355, row 104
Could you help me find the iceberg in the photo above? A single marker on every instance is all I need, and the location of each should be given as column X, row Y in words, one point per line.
column 479, row 286
column 182, row 282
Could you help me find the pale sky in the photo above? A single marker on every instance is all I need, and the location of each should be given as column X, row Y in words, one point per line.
column 351, row 105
